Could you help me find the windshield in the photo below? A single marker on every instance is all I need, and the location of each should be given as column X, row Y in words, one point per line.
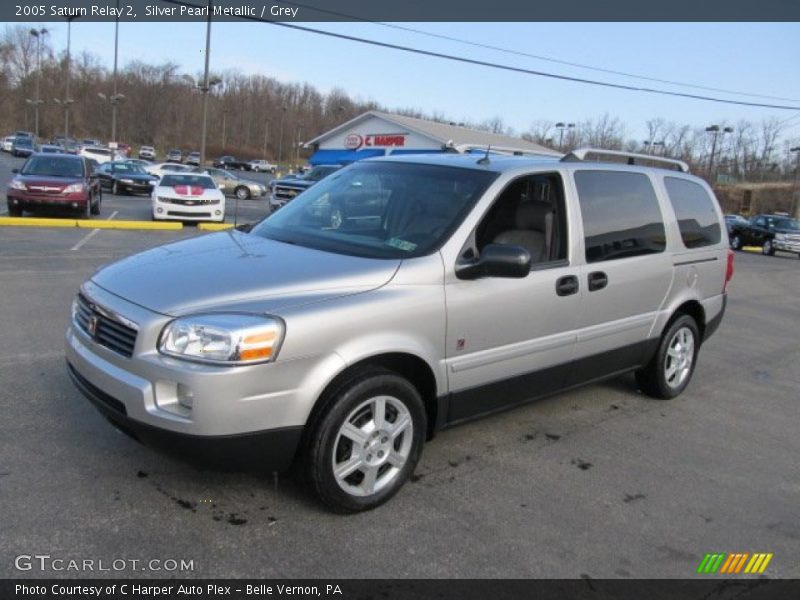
column 203, row 181
column 24, row 141
column 379, row 209
column 53, row 166
column 127, row 168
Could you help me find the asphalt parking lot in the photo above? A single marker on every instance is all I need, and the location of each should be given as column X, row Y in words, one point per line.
column 598, row 482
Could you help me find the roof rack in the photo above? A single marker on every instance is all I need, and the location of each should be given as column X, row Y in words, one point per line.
column 582, row 154
column 463, row 148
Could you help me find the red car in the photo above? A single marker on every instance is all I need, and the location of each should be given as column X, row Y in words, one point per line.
column 55, row 181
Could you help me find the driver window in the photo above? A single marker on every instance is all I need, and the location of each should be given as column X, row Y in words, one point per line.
column 530, row 213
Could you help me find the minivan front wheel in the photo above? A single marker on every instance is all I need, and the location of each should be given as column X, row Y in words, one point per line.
column 671, row 369
column 367, row 443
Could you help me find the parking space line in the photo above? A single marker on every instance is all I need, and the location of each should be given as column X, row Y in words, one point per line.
column 91, row 234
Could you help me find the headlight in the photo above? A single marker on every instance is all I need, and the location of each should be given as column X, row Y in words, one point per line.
column 231, row 339
column 74, row 188
column 16, row 184
column 126, row 180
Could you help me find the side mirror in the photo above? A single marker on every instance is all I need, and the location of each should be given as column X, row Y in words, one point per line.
column 15, row 170
column 497, row 260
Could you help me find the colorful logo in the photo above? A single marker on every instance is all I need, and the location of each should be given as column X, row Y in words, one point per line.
column 735, row 563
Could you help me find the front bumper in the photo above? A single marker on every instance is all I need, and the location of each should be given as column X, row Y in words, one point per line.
column 31, row 202
column 270, row 450
column 239, row 416
column 136, row 187
column 185, row 212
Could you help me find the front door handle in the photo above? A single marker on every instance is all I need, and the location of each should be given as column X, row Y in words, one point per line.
column 597, row 281
column 567, row 285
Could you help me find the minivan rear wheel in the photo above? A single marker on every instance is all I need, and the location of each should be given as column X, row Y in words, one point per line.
column 366, row 441
column 671, row 369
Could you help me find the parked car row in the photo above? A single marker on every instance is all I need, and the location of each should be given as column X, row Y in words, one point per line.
column 52, row 179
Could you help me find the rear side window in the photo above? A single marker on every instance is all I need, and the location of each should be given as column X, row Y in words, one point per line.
column 694, row 209
column 621, row 216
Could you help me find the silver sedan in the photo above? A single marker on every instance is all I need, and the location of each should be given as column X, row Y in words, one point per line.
column 233, row 185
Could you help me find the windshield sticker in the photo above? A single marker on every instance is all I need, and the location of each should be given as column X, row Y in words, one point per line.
column 401, row 244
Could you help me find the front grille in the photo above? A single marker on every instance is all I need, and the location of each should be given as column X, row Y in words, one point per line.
column 107, row 331
column 286, row 193
column 96, row 392
column 187, row 201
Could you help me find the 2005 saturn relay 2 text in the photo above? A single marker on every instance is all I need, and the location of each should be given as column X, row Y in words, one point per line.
column 399, row 296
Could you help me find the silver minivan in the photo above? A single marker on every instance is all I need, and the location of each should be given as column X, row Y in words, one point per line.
column 399, row 296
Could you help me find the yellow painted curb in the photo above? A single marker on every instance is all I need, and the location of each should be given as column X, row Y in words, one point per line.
column 214, row 226
column 28, row 222
column 158, row 225
column 88, row 223
column 752, row 248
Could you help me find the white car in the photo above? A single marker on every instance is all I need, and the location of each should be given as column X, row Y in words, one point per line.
column 188, row 197
column 8, row 143
column 262, row 166
column 101, row 154
column 147, row 152
column 159, row 169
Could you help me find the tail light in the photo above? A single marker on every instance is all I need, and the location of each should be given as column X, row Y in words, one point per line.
column 728, row 271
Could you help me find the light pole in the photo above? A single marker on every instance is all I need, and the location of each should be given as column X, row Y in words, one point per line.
column 113, row 100
column 115, row 97
column 795, row 203
column 716, row 131
column 38, row 34
column 297, row 161
column 67, row 100
column 561, row 127
column 266, row 137
column 280, row 136
column 206, row 86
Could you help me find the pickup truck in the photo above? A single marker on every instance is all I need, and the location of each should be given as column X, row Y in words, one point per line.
column 262, row 166
column 284, row 190
column 771, row 232
column 230, row 162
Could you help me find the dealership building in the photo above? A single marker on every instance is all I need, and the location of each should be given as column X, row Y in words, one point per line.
column 381, row 134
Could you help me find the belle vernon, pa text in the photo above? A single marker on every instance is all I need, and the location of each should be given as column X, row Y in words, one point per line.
column 153, row 10
column 135, row 589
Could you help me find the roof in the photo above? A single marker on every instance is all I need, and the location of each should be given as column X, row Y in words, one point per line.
column 443, row 133
column 497, row 162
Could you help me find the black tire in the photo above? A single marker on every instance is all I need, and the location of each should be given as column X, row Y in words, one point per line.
column 115, row 188
column 653, row 379
column 736, row 242
column 355, row 394
column 242, row 192
column 86, row 211
column 14, row 211
column 767, row 249
column 96, row 206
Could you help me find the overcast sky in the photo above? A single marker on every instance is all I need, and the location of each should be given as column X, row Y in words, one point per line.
column 754, row 58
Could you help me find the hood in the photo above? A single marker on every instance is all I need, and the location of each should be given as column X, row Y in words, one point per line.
column 136, row 176
column 48, row 181
column 237, row 271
